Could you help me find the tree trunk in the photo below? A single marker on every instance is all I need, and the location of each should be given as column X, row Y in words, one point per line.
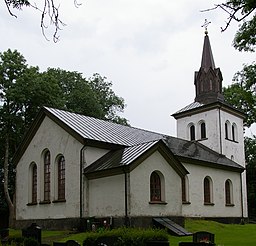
column 6, row 190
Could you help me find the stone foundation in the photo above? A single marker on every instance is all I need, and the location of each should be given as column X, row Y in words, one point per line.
column 114, row 222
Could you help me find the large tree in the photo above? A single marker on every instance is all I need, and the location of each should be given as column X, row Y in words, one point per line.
column 24, row 90
column 242, row 93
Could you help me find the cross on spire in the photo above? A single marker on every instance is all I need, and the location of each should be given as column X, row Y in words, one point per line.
column 205, row 25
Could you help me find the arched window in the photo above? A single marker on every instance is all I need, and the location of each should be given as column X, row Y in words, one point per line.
column 155, row 187
column 47, row 162
column 227, row 129
column 184, row 186
column 207, row 190
column 203, row 130
column 234, row 132
column 192, row 132
column 34, row 183
column 61, row 178
column 228, row 192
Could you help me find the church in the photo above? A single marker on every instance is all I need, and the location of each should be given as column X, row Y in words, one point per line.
column 72, row 169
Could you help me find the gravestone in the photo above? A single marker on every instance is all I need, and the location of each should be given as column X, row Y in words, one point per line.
column 33, row 231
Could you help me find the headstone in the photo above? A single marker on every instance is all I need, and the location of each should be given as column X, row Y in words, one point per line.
column 33, row 231
column 203, row 237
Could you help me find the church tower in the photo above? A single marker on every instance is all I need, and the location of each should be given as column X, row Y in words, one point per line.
column 209, row 119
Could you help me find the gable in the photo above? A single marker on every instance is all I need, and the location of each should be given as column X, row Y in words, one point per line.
column 127, row 159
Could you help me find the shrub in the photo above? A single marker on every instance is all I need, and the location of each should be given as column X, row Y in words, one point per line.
column 126, row 236
column 30, row 242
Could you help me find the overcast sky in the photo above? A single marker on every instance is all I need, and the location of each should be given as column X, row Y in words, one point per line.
column 149, row 49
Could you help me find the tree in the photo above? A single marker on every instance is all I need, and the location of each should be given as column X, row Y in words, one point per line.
column 242, row 93
column 49, row 9
column 24, row 90
column 241, row 10
column 250, row 153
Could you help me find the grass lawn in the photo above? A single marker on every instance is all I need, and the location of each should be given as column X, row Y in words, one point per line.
column 225, row 235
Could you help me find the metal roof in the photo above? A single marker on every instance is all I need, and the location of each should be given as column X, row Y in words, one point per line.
column 121, row 157
column 104, row 131
column 134, row 141
column 189, row 107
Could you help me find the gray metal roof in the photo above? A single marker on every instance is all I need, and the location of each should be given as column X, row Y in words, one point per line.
column 134, row 141
column 121, row 157
column 104, row 131
column 189, row 107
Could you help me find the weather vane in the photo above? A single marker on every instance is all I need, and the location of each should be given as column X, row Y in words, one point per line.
column 205, row 25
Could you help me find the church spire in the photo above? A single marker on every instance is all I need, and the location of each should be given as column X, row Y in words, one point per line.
column 207, row 57
column 208, row 80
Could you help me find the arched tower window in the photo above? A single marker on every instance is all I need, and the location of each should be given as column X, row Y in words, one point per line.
column 47, row 162
column 227, row 129
column 228, row 192
column 203, row 130
column 234, row 132
column 208, row 196
column 192, row 132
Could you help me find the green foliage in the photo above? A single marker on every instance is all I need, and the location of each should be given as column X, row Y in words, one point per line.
column 24, row 90
column 242, row 11
column 30, row 242
column 242, row 93
column 250, row 152
column 126, row 236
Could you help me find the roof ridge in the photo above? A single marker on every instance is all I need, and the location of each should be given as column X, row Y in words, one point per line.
column 104, row 120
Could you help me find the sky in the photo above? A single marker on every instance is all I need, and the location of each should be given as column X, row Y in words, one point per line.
column 149, row 49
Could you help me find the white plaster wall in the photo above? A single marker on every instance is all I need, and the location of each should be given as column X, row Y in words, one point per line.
column 91, row 154
column 215, row 131
column 196, row 198
column 211, row 119
column 106, row 196
column 231, row 148
column 58, row 141
column 140, row 188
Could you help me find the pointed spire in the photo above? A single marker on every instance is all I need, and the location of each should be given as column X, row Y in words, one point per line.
column 207, row 57
column 208, row 80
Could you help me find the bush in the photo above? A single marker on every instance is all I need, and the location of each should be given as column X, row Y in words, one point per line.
column 125, row 236
column 30, row 242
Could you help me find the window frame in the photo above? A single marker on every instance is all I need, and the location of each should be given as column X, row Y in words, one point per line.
column 47, row 176
column 192, row 132
column 203, row 130
column 61, row 178
column 229, row 193
column 208, row 191
column 34, row 184
column 155, row 187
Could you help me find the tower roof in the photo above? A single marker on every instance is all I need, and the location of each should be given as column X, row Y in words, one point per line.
column 208, row 80
column 207, row 57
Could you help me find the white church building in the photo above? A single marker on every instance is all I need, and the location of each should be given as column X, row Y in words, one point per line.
column 71, row 167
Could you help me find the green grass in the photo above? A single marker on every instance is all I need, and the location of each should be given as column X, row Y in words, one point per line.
column 225, row 234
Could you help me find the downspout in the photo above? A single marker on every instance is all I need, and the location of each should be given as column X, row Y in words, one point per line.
column 242, row 199
column 220, row 133
column 81, row 185
column 126, row 219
